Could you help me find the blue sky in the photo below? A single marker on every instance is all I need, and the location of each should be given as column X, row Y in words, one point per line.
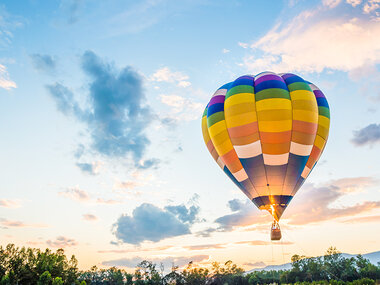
column 102, row 147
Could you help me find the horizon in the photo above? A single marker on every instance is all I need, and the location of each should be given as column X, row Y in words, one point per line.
column 102, row 148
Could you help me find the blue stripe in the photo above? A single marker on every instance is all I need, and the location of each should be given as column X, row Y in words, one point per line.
column 219, row 107
column 242, row 81
column 322, row 102
column 293, row 79
column 270, row 84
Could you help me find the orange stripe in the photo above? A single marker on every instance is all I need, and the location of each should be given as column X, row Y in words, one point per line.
column 232, row 161
column 244, row 130
column 275, row 148
column 245, row 140
column 281, row 137
column 305, row 127
column 303, row 138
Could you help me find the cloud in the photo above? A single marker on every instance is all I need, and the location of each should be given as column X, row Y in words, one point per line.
column 43, row 62
column 5, row 81
column 71, row 7
column 166, row 261
column 243, row 45
column 62, row 242
column 319, row 39
column 90, row 168
column 166, row 75
column 117, row 115
column 182, row 109
column 150, row 223
column 366, row 219
column 367, row 135
column 90, row 217
column 225, row 50
column 7, row 203
column 205, row 246
column 108, row 201
column 314, row 205
column 311, row 205
column 18, row 224
column 76, row 194
column 258, row 264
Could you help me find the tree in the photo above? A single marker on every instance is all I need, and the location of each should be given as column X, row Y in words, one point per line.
column 45, row 279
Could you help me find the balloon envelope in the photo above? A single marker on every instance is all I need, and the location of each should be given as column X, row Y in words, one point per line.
column 267, row 132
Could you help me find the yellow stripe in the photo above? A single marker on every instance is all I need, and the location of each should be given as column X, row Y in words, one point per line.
column 319, row 142
column 239, row 109
column 273, row 103
column 220, row 138
column 305, row 116
column 274, row 115
column 223, row 148
column 323, row 132
column 275, row 126
column 305, row 105
column 215, row 129
column 323, row 121
column 242, row 119
column 302, row 95
column 238, row 99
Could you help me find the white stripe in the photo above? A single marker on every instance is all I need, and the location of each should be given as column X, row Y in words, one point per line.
column 276, row 159
column 220, row 92
column 263, row 74
column 300, row 149
column 220, row 162
column 305, row 172
column 248, row 150
column 240, row 175
column 313, row 87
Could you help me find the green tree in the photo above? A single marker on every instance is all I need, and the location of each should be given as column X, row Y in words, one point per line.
column 45, row 279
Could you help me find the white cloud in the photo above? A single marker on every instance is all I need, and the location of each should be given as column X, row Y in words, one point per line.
column 243, row 45
column 317, row 40
column 6, row 203
column 76, row 194
column 182, row 108
column 354, row 3
column 370, row 6
column 331, row 3
column 225, row 50
column 5, row 81
column 166, row 75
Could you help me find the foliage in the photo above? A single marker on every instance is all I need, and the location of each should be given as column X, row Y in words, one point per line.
column 33, row 266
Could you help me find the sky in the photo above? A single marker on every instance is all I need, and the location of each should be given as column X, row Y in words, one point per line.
column 102, row 152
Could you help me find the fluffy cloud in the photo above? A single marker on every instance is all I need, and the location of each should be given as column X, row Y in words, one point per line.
column 75, row 194
column 311, row 205
column 367, row 135
column 166, row 75
column 319, row 39
column 90, row 168
column 117, row 115
column 62, row 242
column 166, row 261
column 18, row 224
column 182, row 109
column 90, row 217
column 7, row 203
column 5, row 81
column 43, row 62
column 150, row 223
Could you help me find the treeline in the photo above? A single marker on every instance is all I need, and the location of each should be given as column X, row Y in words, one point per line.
column 33, row 266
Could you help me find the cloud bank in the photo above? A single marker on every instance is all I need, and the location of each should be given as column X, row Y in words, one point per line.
column 117, row 116
column 367, row 135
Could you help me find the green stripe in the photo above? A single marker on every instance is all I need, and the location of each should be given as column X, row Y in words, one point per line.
column 299, row 86
column 323, row 111
column 205, row 112
column 214, row 118
column 239, row 89
column 272, row 93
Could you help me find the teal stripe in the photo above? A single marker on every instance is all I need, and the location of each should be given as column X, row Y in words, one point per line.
column 239, row 89
column 299, row 86
column 272, row 93
column 205, row 112
column 214, row 118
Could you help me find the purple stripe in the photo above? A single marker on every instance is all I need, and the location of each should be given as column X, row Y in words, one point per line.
column 268, row 77
column 287, row 75
column 245, row 77
column 216, row 100
column 318, row 94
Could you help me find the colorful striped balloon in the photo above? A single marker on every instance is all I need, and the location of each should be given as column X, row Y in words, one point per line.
column 267, row 132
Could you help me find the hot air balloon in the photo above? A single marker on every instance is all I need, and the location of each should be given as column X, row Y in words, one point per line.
column 267, row 132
